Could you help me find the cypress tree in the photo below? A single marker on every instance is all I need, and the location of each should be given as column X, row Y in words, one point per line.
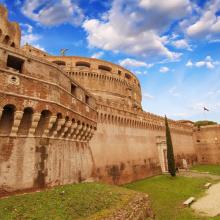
column 170, row 154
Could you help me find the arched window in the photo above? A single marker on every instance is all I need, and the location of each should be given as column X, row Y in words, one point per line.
column 105, row 68
column 59, row 62
column 7, row 119
column 6, row 39
column 127, row 76
column 43, row 122
column 25, row 122
column 83, row 64
column 0, row 32
column 13, row 44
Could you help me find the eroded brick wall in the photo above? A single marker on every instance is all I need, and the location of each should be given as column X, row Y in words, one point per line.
column 41, row 162
column 207, row 144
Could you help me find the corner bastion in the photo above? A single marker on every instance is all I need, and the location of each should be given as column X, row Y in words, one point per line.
column 45, row 126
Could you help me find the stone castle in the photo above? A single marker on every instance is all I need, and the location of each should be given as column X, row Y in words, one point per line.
column 64, row 119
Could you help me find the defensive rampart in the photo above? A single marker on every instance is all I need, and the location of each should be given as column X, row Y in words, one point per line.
column 207, row 144
column 129, row 143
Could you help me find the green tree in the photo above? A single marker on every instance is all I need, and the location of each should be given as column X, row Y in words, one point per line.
column 170, row 155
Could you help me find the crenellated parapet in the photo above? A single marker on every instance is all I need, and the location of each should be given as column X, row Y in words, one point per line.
column 123, row 117
column 102, row 78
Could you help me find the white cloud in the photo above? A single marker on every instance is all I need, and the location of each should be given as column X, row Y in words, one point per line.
column 98, row 54
column 182, row 44
column 173, row 91
column 27, row 36
column 38, row 47
column 208, row 23
column 208, row 62
column 55, row 12
column 147, row 96
column 189, row 63
column 133, row 27
column 164, row 69
column 162, row 12
column 128, row 62
column 138, row 72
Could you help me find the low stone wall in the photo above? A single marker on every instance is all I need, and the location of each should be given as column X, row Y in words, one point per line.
column 138, row 208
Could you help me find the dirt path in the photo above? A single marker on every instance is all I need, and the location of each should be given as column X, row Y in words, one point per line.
column 209, row 205
column 198, row 174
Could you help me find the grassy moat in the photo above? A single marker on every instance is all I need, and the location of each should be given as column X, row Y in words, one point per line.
column 96, row 201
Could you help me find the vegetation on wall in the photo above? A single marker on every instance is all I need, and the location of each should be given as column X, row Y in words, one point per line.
column 205, row 123
column 170, row 154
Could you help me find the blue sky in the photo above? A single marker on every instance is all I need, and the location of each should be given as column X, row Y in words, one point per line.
column 172, row 46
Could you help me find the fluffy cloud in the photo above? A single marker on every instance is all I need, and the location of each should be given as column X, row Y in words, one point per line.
column 182, row 44
column 147, row 96
column 133, row 27
column 173, row 91
column 27, row 36
column 208, row 62
column 164, row 69
column 98, row 54
column 208, row 23
column 128, row 62
column 53, row 12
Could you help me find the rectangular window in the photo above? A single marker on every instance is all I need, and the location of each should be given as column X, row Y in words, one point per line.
column 87, row 99
column 15, row 63
column 73, row 89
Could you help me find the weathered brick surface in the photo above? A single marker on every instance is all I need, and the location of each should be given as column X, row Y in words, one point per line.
column 207, row 144
column 64, row 119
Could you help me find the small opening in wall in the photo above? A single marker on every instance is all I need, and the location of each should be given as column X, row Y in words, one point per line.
column 15, row 63
column 119, row 72
column 13, row 44
column 87, row 99
column 59, row 62
column 73, row 89
column 106, row 68
column 6, row 39
column 83, row 64
column 127, row 76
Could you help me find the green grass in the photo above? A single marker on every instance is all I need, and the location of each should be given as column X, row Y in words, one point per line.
column 167, row 195
column 212, row 169
column 79, row 201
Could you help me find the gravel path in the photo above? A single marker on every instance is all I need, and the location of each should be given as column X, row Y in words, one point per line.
column 209, row 205
column 198, row 174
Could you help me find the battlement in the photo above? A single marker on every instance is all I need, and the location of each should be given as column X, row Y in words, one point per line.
column 10, row 33
column 102, row 78
column 34, row 51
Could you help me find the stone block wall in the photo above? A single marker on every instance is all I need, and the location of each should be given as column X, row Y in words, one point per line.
column 207, row 144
